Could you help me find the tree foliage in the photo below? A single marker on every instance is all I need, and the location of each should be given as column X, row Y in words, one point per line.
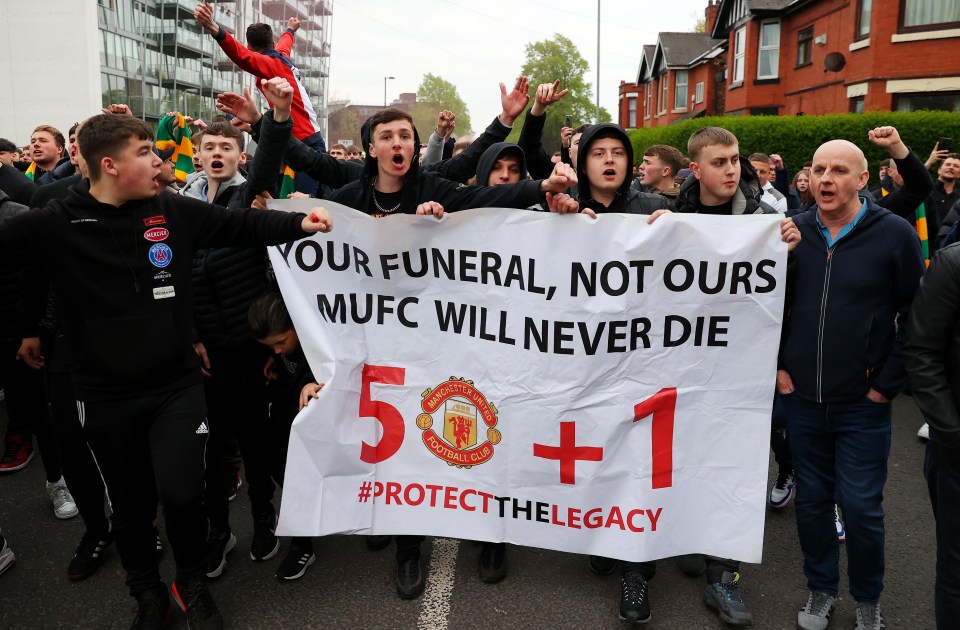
column 433, row 95
column 547, row 61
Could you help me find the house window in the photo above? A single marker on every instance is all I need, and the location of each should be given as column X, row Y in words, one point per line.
column 805, row 46
column 739, row 53
column 940, row 101
column 856, row 104
column 921, row 13
column 648, row 109
column 632, row 112
column 863, row 19
column 663, row 93
column 698, row 93
column 768, row 62
column 680, row 90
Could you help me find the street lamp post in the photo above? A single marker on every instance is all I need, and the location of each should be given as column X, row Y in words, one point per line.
column 385, row 79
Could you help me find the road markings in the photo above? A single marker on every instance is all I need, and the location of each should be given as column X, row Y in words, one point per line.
column 435, row 607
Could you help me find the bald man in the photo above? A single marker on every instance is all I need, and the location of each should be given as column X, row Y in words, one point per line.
column 858, row 266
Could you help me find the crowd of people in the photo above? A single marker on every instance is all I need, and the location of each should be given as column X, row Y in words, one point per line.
column 166, row 361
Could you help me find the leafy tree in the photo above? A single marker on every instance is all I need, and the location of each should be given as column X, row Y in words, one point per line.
column 344, row 124
column 433, row 95
column 547, row 61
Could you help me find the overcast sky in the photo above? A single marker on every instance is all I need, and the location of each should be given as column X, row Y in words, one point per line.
column 476, row 45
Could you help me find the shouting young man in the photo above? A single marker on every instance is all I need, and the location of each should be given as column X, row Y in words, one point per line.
column 120, row 259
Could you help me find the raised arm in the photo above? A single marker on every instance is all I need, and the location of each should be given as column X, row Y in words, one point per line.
column 285, row 44
column 276, row 128
column 256, row 64
column 461, row 168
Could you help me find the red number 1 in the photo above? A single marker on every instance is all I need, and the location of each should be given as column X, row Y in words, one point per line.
column 662, row 406
column 384, row 413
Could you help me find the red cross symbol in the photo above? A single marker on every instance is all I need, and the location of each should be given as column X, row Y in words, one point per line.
column 568, row 452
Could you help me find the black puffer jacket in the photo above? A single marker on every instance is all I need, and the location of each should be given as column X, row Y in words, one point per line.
column 932, row 351
column 628, row 200
column 226, row 280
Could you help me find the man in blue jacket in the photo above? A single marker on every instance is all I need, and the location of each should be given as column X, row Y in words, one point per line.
column 858, row 267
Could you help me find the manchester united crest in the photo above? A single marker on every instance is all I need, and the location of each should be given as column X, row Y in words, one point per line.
column 468, row 418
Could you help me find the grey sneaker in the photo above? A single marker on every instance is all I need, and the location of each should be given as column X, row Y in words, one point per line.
column 724, row 597
column 815, row 615
column 869, row 617
column 63, row 505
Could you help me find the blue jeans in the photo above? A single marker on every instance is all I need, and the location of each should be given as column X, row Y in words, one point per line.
column 941, row 467
column 840, row 454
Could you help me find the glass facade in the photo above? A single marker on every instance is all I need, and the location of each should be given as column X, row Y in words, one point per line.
column 156, row 58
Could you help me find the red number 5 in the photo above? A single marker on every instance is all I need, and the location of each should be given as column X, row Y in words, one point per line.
column 386, row 414
column 662, row 405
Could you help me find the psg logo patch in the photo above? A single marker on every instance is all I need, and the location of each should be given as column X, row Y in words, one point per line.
column 161, row 255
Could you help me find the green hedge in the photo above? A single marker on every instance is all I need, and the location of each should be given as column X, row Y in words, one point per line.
column 796, row 138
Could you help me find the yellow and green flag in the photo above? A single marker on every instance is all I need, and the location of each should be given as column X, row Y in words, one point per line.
column 31, row 171
column 287, row 184
column 173, row 133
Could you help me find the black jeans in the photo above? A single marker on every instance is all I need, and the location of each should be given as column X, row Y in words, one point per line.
column 941, row 467
column 237, row 403
column 144, row 445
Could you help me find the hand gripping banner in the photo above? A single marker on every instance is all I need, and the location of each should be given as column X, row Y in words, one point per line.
column 595, row 386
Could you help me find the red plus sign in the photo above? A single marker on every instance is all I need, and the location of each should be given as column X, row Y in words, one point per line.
column 568, row 452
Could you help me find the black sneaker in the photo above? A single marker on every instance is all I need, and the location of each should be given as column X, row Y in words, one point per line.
column 265, row 544
column 298, row 559
column 153, row 609
column 602, row 566
column 219, row 544
column 725, row 598
column 89, row 555
column 194, row 598
column 493, row 562
column 634, row 603
column 410, row 581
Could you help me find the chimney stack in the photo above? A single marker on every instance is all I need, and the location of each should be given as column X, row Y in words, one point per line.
column 711, row 15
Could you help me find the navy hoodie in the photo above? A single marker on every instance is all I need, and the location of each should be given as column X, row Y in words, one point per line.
column 848, row 306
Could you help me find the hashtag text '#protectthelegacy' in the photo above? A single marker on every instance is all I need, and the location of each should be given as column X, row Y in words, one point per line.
column 417, row 495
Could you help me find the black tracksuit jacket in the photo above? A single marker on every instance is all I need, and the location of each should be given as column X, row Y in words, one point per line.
column 127, row 301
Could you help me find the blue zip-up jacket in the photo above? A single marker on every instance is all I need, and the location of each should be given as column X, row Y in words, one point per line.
column 846, row 311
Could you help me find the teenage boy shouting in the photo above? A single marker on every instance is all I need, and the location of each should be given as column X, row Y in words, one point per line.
column 120, row 259
column 392, row 183
column 725, row 184
column 226, row 281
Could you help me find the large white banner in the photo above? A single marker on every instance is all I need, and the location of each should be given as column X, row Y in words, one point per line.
column 596, row 386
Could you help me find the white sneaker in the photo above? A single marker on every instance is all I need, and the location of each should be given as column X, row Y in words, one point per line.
column 63, row 504
column 6, row 555
column 782, row 490
column 924, row 432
